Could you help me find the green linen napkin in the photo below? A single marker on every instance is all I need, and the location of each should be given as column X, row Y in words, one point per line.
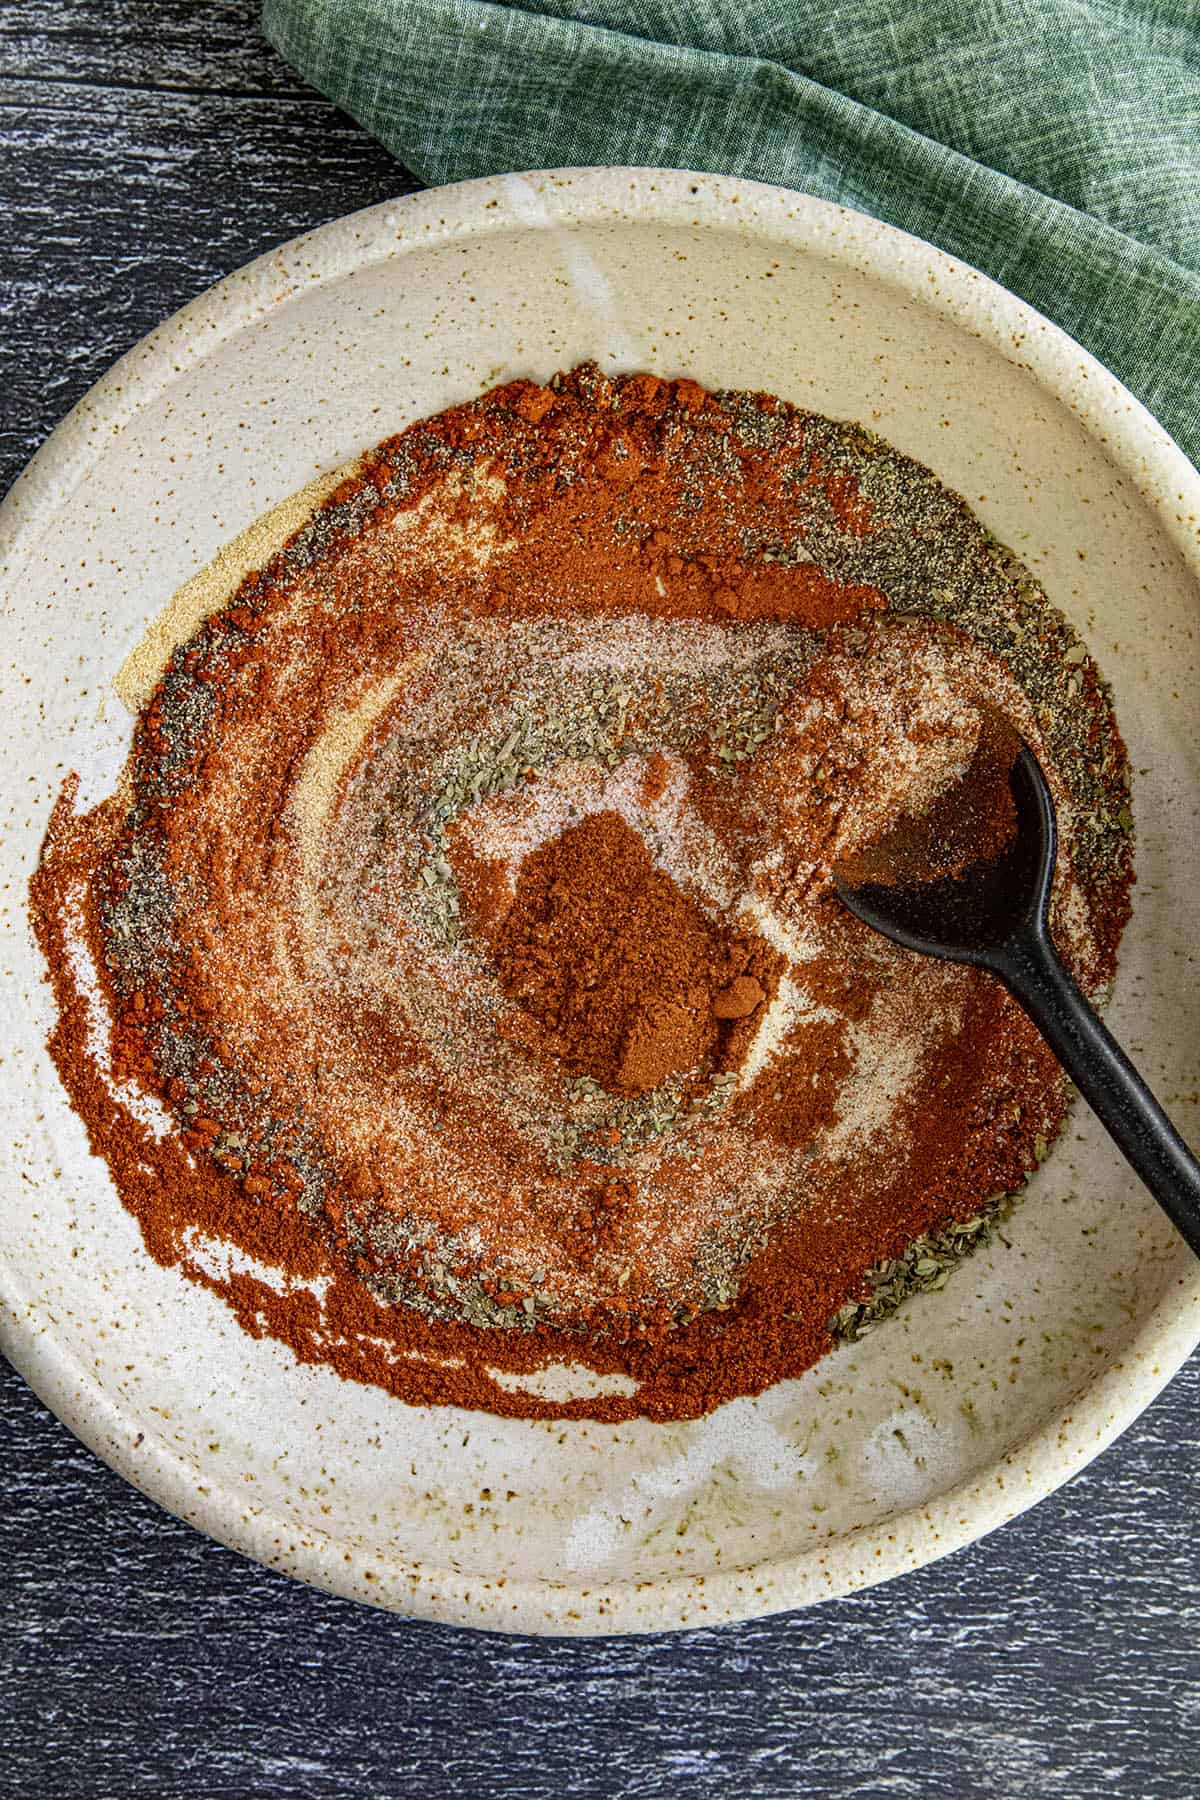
column 1054, row 144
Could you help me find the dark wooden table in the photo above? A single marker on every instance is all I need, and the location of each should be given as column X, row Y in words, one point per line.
column 149, row 147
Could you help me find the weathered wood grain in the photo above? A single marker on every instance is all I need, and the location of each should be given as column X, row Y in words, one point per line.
column 207, row 49
column 145, row 150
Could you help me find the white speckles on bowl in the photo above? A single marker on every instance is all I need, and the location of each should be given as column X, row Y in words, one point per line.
column 976, row 1401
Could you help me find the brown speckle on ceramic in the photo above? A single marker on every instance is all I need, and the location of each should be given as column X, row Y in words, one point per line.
column 977, row 1400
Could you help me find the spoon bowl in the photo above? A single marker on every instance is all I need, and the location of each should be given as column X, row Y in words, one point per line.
column 970, row 918
column 993, row 913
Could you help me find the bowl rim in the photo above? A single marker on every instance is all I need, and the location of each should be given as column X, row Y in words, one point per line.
column 1130, row 438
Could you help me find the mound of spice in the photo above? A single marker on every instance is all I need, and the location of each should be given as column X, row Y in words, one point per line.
column 460, row 944
column 631, row 979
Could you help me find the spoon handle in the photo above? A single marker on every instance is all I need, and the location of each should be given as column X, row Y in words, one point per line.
column 1033, row 973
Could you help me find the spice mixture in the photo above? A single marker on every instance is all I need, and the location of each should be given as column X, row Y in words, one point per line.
column 460, row 945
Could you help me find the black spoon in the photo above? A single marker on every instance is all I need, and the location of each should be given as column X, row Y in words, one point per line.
column 994, row 914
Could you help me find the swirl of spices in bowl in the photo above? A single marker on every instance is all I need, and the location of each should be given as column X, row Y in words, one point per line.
column 464, row 914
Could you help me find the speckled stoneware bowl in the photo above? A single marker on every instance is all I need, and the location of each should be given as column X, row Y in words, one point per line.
column 977, row 1400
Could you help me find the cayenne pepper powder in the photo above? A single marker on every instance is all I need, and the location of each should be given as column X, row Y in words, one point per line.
column 465, row 910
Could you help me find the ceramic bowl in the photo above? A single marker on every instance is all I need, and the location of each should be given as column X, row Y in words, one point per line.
column 976, row 1401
